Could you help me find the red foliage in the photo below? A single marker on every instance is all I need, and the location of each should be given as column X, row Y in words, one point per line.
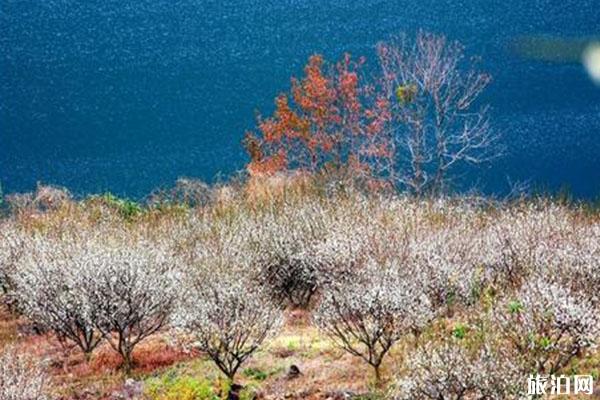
column 145, row 358
column 105, row 360
column 330, row 118
column 150, row 358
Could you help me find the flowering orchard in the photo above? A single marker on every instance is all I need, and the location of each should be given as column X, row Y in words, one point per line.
column 416, row 289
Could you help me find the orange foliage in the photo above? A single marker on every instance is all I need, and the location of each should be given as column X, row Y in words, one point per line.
column 330, row 117
column 146, row 358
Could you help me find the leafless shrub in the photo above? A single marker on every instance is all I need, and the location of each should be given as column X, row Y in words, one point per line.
column 191, row 192
column 21, row 377
column 49, row 197
column 45, row 198
column 19, row 201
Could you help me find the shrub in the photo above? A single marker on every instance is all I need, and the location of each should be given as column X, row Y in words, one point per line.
column 126, row 208
column 21, row 377
column 45, row 198
column 255, row 373
column 179, row 388
column 187, row 191
column 50, row 197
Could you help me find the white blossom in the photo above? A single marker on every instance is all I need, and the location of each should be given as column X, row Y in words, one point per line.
column 21, row 377
column 451, row 372
column 372, row 310
column 548, row 324
column 229, row 318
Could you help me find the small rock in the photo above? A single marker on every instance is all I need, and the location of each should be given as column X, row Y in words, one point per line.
column 293, row 372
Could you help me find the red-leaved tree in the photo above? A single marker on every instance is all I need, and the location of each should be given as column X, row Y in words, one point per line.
column 332, row 119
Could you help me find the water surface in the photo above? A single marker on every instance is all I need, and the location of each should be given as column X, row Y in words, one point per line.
column 126, row 95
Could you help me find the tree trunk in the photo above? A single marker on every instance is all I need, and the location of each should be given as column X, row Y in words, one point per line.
column 127, row 361
column 234, row 392
column 377, row 376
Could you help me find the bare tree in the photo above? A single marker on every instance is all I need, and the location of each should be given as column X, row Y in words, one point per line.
column 432, row 94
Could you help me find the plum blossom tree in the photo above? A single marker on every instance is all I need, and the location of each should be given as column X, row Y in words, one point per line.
column 548, row 325
column 12, row 246
column 368, row 313
column 134, row 286
column 223, row 307
column 451, row 372
column 51, row 288
column 229, row 317
column 286, row 259
column 87, row 288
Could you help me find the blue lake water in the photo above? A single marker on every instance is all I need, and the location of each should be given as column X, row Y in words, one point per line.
column 126, row 95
